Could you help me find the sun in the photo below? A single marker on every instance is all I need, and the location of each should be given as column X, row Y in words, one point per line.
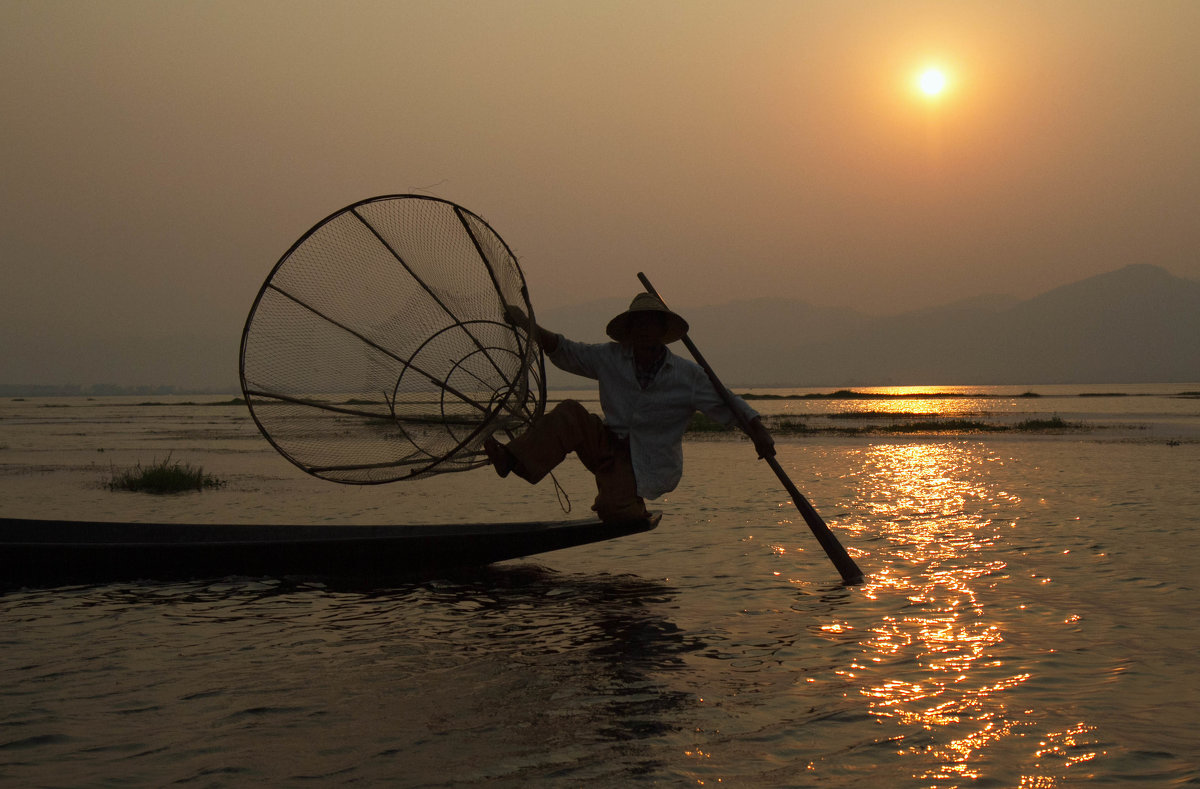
column 932, row 82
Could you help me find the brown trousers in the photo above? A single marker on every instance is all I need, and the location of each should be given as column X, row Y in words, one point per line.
column 570, row 428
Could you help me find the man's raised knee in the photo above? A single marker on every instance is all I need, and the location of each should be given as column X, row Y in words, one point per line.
column 570, row 410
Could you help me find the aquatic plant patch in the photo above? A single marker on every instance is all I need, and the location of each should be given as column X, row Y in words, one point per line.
column 902, row 424
column 162, row 477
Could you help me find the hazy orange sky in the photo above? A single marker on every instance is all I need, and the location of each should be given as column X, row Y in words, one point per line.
column 159, row 157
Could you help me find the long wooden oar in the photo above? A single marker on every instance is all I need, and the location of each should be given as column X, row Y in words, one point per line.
column 837, row 554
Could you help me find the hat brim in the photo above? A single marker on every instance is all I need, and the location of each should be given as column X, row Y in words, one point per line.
column 618, row 327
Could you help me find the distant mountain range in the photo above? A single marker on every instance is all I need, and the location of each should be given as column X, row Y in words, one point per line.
column 1137, row 324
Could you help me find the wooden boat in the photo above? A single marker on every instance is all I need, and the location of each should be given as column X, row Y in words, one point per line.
column 37, row 551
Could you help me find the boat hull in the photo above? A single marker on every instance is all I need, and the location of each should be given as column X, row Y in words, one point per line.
column 38, row 551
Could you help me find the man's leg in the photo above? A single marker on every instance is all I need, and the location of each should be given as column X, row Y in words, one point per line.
column 616, row 487
column 569, row 427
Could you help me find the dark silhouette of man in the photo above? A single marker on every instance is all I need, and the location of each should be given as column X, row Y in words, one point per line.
column 648, row 396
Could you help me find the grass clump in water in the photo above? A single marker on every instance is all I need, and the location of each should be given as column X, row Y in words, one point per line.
column 702, row 423
column 791, row 426
column 942, row 426
column 163, row 477
column 1054, row 423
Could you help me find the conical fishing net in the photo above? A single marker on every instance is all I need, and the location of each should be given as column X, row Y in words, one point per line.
column 378, row 350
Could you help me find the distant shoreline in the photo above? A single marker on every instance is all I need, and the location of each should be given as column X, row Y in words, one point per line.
column 10, row 392
column 107, row 390
column 1039, row 416
column 850, row 394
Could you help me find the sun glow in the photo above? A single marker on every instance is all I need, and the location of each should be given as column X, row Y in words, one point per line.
column 932, row 82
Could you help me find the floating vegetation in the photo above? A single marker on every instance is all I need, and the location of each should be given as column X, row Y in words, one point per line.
column 162, row 477
column 878, row 415
column 791, row 426
column 701, row 423
column 943, row 426
column 778, row 425
column 909, row 425
column 157, row 403
column 850, row 394
column 917, row 427
column 1054, row 423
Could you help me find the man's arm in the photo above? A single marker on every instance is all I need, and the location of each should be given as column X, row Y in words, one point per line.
column 735, row 410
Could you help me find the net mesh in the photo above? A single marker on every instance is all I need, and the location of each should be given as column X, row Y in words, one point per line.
column 377, row 349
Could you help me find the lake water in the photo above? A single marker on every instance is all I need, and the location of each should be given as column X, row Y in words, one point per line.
column 1029, row 616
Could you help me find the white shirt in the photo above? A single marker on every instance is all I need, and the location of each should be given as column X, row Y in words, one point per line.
column 655, row 418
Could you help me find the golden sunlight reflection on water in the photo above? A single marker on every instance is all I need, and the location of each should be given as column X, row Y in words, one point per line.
column 939, row 672
column 921, row 406
column 919, row 400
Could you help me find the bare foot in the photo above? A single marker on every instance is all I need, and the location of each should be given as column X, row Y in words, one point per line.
column 499, row 456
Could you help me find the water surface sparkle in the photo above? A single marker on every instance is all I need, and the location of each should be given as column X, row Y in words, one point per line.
column 942, row 517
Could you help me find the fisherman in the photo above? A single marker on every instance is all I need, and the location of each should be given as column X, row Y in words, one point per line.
column 648, row 396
